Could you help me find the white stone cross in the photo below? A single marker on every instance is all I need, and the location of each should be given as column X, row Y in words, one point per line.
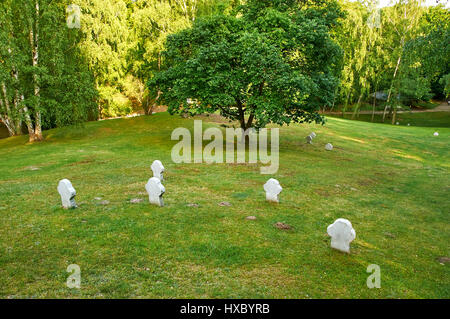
column 273, row 189
column 329, row 147
column 310, row 137
column 342, row 234
column 67, row 192
column 158, row 169
column 155, row 191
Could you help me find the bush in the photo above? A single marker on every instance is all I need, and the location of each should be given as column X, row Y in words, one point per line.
column 113, row 103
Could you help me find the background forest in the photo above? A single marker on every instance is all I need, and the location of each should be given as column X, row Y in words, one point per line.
column 56, row 73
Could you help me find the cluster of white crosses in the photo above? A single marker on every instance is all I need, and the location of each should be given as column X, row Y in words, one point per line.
column 310, row 137
column 341, row 231
column 154, row 187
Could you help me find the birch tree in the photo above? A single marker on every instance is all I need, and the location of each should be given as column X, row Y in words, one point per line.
column 401, row 24
column 13, row 110
column 44, row 81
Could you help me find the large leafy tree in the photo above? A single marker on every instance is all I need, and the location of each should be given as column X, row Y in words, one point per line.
column 267, row 62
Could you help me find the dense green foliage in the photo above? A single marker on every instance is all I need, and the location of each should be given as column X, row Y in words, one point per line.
column 428, row 55
column 400, row 50
column 255, row 61
column 44, row 79
column 271, row 61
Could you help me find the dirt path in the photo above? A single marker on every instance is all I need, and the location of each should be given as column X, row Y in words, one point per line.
column 443, row 107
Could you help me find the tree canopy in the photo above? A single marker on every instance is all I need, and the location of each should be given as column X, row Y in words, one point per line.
column 261, row 63
column 257, row 62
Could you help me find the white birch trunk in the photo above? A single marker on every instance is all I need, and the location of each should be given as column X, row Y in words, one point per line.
column 34, row 43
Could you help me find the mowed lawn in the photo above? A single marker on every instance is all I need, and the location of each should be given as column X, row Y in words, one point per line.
column 426, row 119
column 391, row 182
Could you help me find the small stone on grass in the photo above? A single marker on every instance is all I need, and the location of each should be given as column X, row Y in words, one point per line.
column 224, row 204
column 281, row 225
column 136, row 200
column 389, row 235
column 251, row 218
column 444, row 260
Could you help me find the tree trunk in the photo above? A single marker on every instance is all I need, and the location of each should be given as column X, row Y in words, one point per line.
column 5, row 119
column 149, row 110
column 29, row 124
column 374, row 103
column 34, row 43
column 17, row 105
column 24, row 110
column 246, row 129
column 357, row 106
column 18, row 122
column 390, row 89
column 394, row 116
column 346, row 103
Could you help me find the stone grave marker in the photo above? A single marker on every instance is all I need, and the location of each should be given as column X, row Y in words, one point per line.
column 272, row 188
column 155, row 191
column 67, row 193
column 310, row 137
column 342, row 234
column 158, row 170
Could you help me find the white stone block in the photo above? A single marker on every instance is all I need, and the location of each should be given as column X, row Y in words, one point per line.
column 310, row 137
column 67, row 192
column 273, row 189
column 342, row 234
column 158, row 170
column 155, row 191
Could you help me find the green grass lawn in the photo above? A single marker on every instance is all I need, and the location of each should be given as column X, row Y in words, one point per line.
column 380, row 105
column 426, row 119
column 391, row 182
